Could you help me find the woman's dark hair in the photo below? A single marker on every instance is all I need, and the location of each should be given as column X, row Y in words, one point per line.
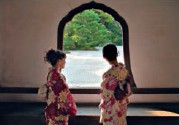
column 110, row 51
column 52, row 56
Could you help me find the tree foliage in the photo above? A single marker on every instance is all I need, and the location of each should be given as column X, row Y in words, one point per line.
column 90, row 29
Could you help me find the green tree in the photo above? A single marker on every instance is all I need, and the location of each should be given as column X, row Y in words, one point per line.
column 89, row 29
column 112, row 26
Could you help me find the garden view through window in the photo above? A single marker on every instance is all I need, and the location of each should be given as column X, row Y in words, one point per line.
column 84, row 37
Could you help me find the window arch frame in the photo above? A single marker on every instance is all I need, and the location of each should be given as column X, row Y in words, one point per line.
column 114, row 14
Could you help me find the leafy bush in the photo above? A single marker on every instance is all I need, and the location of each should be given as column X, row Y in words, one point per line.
column 90, row 29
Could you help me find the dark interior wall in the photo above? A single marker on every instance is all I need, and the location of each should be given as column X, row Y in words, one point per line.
column 1, row 43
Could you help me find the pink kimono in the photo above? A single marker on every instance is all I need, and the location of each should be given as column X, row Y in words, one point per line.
column 60, row 101
column 113, row 112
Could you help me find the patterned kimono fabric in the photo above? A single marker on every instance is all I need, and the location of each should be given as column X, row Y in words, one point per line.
column 60, row 101
column 113, row 112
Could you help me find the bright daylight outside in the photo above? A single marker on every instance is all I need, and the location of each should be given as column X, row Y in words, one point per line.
column 84, row 37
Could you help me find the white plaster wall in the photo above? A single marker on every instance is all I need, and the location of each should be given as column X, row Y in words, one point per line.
column 154, row 45
column 29, row 27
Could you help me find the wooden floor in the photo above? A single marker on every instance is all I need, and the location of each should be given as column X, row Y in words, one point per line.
column 31, row 113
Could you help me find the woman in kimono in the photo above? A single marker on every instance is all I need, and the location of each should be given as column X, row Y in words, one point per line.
column 60, row 103
column 113, row 111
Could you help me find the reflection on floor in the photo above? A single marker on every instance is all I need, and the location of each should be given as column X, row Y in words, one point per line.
column 31, row 113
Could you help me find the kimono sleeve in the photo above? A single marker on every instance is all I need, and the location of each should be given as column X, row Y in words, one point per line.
column 106, row 95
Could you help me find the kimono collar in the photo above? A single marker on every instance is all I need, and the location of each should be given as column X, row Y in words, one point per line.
column 117, row 65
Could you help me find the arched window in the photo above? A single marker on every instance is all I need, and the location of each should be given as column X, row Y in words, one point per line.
column 114, row 14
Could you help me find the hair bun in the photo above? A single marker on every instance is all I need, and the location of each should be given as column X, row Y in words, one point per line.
column 50, row 56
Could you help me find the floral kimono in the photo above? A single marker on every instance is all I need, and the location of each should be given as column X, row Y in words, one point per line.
column 113, row 112
column 60, row 101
